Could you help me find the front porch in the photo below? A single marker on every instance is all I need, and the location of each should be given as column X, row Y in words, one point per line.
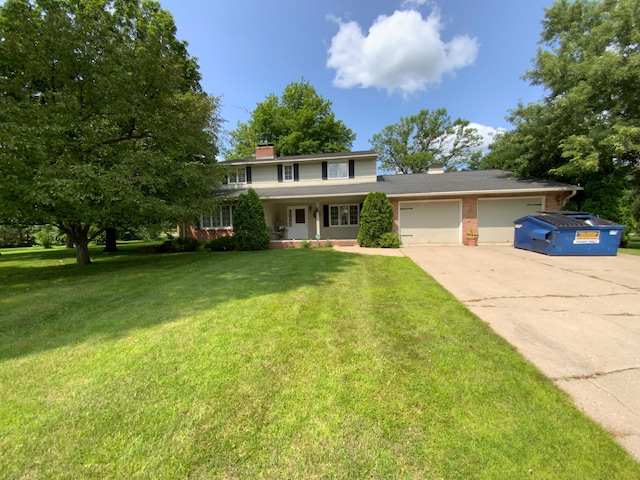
column 291, row 221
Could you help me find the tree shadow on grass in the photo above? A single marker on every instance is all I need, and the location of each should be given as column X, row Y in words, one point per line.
column 51, row 306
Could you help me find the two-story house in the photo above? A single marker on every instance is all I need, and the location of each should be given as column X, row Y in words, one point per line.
column 321, row 196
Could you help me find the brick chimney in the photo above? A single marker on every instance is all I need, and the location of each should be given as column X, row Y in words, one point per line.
column 265, row 150
column 435, row 168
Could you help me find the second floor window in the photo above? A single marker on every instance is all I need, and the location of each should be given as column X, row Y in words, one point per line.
column 287, row 171
column 338, row 170
column 237, row 175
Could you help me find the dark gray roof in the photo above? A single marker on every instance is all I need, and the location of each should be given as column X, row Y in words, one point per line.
column 480, row 181
column 449, row 183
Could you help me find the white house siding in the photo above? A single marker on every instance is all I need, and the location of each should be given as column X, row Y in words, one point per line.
column 263, row 173
column 366, row 169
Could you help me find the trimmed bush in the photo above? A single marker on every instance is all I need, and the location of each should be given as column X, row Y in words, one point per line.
column 376, row 219
column 179, row 245
column 221, row 244
column 389, row 240
column 249, row 228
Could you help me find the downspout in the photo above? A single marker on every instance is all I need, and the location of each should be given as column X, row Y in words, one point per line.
column 573, row 194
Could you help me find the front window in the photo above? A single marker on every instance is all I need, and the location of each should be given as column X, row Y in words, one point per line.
column 237, row 175
column 288, row 173
column 343, row 215
column 219, row 218
column 338, row 170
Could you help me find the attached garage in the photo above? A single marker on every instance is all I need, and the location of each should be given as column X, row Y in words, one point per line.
column 437, row 221
column 496, row 216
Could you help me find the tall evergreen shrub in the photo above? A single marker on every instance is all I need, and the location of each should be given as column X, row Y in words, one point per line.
column 376, row 219
column 249, row 228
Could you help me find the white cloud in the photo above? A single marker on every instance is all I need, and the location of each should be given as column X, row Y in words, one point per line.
column 488, row 134
column 413, row 3
column 403, row 52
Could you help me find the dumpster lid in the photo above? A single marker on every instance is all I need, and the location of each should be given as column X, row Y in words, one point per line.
column 560, row 219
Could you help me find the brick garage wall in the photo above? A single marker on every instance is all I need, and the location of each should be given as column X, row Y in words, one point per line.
column 396, row 215
column 189, row 231
column 470, row 215
column 555, row 201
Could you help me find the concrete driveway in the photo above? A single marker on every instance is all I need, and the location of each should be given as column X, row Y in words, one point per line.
column 576, row 318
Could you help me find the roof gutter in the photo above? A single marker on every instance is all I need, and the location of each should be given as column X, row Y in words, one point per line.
column 319, row 195
column 485, row 192
column 572, row 189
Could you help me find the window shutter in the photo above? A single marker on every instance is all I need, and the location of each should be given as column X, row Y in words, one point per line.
column 280, row 175
column 296, row 172
column 324, row 170
column 352, row 168
column 325, row 215
column 248, row 174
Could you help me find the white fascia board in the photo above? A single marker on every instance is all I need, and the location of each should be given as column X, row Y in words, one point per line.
column 467, row 193
column 320, row 195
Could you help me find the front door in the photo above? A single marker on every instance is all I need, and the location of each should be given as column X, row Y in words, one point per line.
column 297, row 227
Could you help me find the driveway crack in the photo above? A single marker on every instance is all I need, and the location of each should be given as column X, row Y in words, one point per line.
column 517, row 297
column 589, row 376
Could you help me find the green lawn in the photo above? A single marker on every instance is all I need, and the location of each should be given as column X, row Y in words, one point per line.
column 634, row 246
column 278, row 364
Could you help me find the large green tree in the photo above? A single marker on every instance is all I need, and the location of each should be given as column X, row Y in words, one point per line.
column 102, row 117
column 417, row 141
column 300, row 122
column 586, row 129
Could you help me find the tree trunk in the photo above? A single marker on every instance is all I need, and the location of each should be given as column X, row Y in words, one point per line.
column 69, row 241
column 82, row 252
column 111, row 236
column 78, row 234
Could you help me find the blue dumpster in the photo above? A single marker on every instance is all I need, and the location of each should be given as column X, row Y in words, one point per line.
column 567, row 233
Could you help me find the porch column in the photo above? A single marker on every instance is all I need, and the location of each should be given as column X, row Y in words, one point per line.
column 317, row 220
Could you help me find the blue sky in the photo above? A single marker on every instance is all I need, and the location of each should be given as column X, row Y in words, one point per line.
column 375, row 60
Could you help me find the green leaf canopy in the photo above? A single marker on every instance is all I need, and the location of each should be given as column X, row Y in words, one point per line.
column 586, row 129
column 300, row 122
column 102, row 117
column 417, row 141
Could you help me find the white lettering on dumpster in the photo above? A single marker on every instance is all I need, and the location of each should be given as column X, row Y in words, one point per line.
column 587, row 236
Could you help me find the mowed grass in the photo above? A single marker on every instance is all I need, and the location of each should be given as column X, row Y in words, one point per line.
column 277, row 364
column 633, row 247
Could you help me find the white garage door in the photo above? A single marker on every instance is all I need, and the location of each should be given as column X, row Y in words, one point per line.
column 430, row 222
column 496, row 216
